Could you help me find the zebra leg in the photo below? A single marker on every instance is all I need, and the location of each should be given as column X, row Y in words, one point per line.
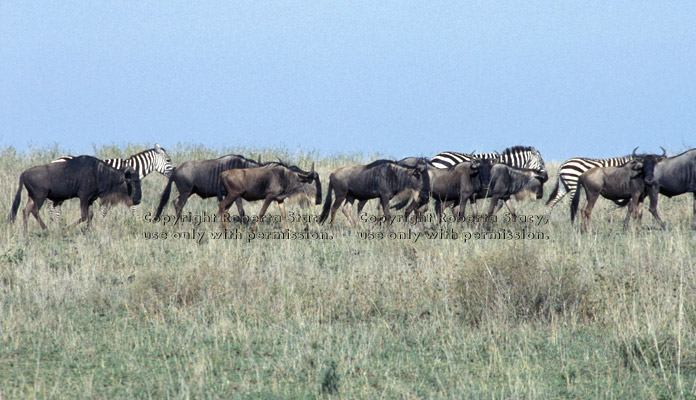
column 54, row 208
column 105, row 209
column 559, row 195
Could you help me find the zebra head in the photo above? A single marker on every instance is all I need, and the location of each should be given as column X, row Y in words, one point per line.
column 162, row 162
column 535, row 161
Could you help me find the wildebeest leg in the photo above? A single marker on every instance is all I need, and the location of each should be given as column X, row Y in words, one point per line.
column 346, row 210
column 85, row 212
column 463, row 197
column 384, row 200
column 693, row 219
column 264, row 207
column 283, row 215
column 337, row 203
column 438, row 210
column 223, row 206
column 180, row 202
column 491, row 208
column 361, row 205
column 653, row 195
column 513, row 214
column 33, row 208
column 587, row 211
column 240, row 208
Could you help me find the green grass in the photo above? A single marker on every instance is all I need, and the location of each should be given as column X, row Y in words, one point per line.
column 106, row 313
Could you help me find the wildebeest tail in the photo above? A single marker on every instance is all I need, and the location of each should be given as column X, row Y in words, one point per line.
column 165, row 196
column 404, row 199
column 576, row 200
column 555, row 190
column 17, row 200
column 327, row 204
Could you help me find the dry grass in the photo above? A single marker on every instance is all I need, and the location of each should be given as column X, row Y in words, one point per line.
column 106, row 313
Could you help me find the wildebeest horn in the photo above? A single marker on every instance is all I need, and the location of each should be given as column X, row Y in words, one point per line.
column 312, row 168
column 664, row 152
column 633, row 155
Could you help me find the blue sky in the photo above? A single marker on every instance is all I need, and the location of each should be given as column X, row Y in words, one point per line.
column 394, row 77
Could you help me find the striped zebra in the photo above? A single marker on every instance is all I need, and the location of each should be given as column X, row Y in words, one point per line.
column 155, row 159
column 569, row 172
column 516, row 156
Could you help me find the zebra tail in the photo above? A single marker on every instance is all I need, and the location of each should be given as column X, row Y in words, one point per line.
column 327, row 205
column 165, row 197
column 554, row 193
column 17, row 200
column 576, row 200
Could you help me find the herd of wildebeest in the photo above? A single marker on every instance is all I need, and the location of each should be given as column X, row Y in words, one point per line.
column 451, row 179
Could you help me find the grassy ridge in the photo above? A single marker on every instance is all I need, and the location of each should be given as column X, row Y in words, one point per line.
column 108, row 313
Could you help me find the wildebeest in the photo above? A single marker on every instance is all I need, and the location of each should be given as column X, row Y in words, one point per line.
column 406, row 195
column 201, row 178
column 84, row 177
column 271, row 183
column 145, row 162
column 456, row 185
column 506, row 182
column 674, row 176
column 380, row 179
column 629, row 181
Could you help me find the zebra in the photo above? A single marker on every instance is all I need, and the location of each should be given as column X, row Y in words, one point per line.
column 516, row 156
column 569, row 172
column 155, row 159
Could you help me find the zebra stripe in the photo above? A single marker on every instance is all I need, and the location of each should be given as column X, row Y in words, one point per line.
column 569, row 173
column 145, row 162
column 516, row 156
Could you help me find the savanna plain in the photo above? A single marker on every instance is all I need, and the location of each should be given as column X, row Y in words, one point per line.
column 112, row 312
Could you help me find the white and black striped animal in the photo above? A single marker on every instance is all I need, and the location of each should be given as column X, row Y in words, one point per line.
column 516, row 156
column 145, row 162
column 569, row 172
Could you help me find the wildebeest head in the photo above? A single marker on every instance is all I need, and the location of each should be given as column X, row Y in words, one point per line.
column 533, row 189
column 127, row 190
column 412, row 175
column 644, row 164
column 482, row 168
column 311, row 185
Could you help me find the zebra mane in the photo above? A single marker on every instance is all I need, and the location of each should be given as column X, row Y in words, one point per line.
column 518, row 149
column 148, row 151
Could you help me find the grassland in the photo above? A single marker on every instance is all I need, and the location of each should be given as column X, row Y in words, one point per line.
column 107, row 313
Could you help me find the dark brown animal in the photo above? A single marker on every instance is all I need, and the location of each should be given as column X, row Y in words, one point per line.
column 84, row 177
column 630, row 181
column 507, row 182
column 455, row 186
column 381, row 179
column 271, row 183
column 202, row 178
column 674, row 176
